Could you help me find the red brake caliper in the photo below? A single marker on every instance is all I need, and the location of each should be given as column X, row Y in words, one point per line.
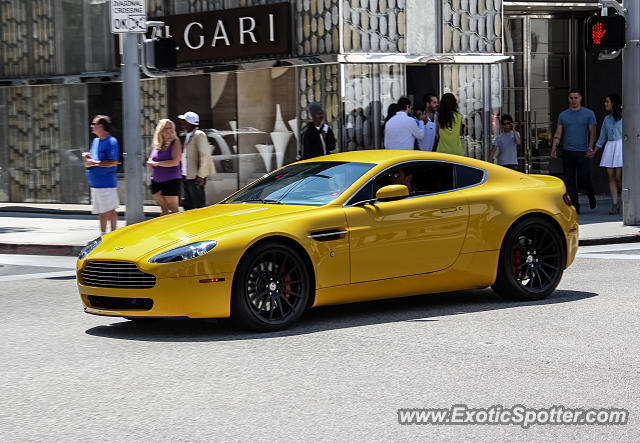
column 287, row 286
column 516, row 260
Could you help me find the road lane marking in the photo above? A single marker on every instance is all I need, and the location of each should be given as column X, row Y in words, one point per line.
column 38, row 275
column 602, row 248
column 55, row 261
column 629, row 251
column 610, row 256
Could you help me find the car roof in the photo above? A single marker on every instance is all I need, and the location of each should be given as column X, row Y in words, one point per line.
column 390, row 156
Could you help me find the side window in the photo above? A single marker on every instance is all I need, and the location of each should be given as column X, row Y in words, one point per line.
column 364, row 194
column 467, row 176
column 431, row 177
column 422, row 178
column 392, row 176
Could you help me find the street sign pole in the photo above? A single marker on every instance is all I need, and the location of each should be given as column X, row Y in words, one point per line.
column 128, row 18
column 133, row 164
column 630, row 121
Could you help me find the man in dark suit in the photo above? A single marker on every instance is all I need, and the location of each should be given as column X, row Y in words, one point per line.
column 317, row 138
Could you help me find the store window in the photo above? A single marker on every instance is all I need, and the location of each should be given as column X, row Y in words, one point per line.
column 369, row 90
column 54, row 37
column 44, row 133
column 478, row 93
column 250, row 118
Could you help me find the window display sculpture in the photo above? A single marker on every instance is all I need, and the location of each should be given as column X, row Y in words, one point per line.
column 280, row 137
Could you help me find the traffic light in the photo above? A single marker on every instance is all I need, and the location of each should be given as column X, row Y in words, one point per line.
column 165, row 53
column 605, row 33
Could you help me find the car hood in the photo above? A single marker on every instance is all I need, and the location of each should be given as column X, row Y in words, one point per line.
column 162, row 233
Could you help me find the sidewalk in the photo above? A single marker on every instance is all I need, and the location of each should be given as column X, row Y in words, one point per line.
column 58, row 229
column 51, row 229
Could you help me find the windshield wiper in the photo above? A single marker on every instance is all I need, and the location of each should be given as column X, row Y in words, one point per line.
column 319, row 175
column 265, row 201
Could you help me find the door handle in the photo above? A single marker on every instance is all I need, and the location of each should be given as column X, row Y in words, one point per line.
column 451, row 209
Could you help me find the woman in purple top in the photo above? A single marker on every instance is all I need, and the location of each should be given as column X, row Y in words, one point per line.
column 164, row 162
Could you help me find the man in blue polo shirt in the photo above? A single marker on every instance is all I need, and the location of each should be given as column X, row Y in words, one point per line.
column 101, row 163
column 579, row 126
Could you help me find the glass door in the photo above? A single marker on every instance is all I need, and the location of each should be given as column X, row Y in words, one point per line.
column 535, row 86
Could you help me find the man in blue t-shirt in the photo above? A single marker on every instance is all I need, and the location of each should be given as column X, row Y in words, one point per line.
column 579, row 126
column 101, row 163
column 506, row 144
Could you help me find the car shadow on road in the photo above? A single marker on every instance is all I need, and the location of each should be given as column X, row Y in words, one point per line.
column 421, row 308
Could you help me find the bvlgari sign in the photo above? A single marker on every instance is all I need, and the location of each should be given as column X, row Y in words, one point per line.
column 240, row 33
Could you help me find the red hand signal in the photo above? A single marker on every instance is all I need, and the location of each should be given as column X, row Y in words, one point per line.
column 597, row 33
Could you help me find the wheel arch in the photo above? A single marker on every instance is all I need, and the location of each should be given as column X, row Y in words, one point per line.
column 543, row 216
column 281, row 239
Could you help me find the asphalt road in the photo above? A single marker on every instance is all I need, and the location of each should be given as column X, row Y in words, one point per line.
column 341, row 374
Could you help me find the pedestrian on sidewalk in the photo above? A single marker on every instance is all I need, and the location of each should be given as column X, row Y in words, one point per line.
column 429, row 142
column 578, row 124
column 391, row 111
column 402, row 130
column 611, row 131
column 507, row 144
column 196, row 162
column 317, row 137
column 449, row 126
column 419, row 112
column 164, row 162
column 101, row 163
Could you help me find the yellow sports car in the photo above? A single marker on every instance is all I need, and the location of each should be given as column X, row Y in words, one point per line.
column 341, row 228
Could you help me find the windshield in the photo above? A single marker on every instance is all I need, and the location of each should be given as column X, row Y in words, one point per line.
column 313, row 183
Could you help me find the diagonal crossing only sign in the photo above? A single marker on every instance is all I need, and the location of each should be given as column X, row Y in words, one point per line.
column 128, row 16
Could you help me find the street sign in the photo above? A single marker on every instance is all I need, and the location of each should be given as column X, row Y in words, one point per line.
column 605, row 33
column 128, row 16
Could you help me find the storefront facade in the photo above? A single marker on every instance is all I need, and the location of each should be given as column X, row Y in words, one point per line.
column 355, row 57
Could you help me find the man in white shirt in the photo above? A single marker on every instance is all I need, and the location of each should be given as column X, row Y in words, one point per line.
column 401, row 131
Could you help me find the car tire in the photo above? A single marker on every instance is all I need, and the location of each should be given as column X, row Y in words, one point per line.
column 532, row 260
column 271, row 288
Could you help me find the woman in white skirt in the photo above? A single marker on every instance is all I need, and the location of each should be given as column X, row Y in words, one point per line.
column 611, row 132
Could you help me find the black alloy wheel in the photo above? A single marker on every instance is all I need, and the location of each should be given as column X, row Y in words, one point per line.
column 271, row 288
column 532, row 260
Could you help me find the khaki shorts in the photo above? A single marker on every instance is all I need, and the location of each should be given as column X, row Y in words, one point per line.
column 104, row 200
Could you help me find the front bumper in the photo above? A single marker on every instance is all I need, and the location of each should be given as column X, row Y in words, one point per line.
column 194, row 297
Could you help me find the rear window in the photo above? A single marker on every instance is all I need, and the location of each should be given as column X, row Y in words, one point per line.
column 468, row 176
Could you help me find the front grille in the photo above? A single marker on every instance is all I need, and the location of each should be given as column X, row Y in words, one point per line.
column 123, row 303
column 116, row 274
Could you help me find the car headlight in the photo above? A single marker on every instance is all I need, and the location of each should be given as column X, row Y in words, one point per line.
column 90, row 247
column 186, row 252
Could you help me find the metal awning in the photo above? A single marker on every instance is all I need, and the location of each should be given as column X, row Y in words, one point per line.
column 542, row 6
column 475, row 59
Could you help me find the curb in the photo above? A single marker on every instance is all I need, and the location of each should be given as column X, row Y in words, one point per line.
column 33, row 249
column 58, row 211
column 36, row 210
column 633, row 238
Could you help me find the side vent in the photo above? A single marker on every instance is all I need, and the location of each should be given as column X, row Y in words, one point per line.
column 328, row 234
